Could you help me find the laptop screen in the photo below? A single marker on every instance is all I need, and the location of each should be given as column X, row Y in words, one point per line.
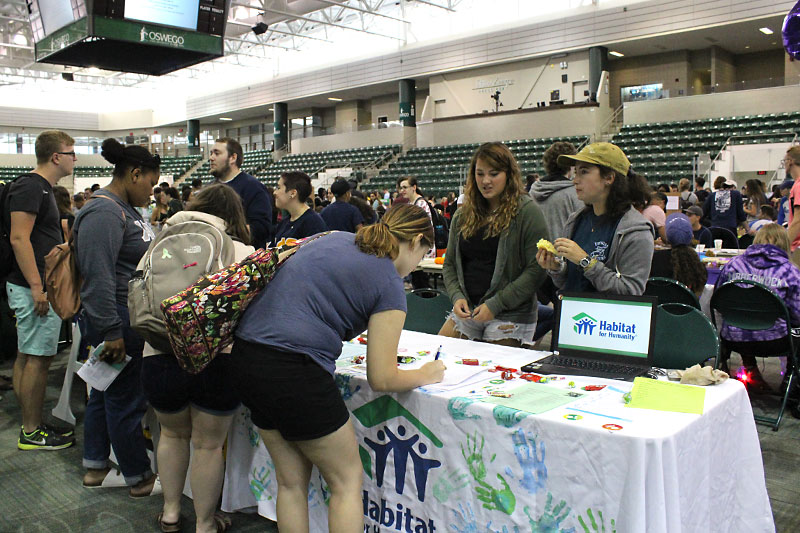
column 603, row 326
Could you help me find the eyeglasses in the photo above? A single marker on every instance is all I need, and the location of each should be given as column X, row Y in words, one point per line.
column 72, row 153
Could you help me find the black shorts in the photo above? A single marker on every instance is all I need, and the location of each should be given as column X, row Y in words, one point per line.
column 286, row 391
column 170, row 389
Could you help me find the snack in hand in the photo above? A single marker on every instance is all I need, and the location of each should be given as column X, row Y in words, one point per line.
column 544, row 244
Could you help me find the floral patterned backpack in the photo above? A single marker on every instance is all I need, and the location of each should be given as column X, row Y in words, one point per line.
column 202, row 318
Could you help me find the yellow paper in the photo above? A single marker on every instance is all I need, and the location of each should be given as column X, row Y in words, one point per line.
column 665, row 396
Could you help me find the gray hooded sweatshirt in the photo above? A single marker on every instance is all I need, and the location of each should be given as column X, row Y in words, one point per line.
column 628, row 265
column 558, row 201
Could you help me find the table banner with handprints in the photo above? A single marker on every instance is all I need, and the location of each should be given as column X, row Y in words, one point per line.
column 449, row 462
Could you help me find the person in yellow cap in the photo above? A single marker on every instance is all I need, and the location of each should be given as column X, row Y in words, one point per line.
column 608, row 245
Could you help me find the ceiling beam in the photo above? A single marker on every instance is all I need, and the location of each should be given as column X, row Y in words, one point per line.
column 366, row 11
column 446, row 8
column 237, row 23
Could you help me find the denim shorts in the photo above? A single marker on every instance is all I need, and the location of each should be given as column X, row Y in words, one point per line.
column 494, row 330
column 36, row 335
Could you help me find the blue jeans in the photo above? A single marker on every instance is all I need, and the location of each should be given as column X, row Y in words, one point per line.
column 114, row 416
column 544, row 322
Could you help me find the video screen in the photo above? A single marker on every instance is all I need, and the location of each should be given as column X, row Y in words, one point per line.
column 55, row 14
column 176, row 13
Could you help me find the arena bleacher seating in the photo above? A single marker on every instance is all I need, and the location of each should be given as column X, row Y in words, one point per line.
column 442, row 169
column 178, row 166
column 662, row 152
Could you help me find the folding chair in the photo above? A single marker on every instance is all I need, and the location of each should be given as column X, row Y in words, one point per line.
column 427, row 310
column 752, row 306
column 669, row 291
column 729, row 239
column 684, row 337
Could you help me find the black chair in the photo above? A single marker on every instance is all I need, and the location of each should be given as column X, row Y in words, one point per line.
column 752, row 306
column 427, row 310
column 729, row 238
column 684, row 337
column 669, row 291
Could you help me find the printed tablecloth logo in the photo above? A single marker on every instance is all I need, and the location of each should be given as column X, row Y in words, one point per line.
column 399, row 441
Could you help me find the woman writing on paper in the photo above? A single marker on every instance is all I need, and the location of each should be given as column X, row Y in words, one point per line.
column 289, row 338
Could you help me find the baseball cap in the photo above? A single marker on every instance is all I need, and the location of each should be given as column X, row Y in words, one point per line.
column 604, row 154
column 679, row 229
column 340, row 187
column 787, row 184
column 731, row 183
column 694, row 210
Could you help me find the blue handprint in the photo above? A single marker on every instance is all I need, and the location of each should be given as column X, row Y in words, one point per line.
column 343, row 382
column 534, row 471
column 551, row 518
column 466, row 520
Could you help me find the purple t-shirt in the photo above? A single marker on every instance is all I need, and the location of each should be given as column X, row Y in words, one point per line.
column 324, row 294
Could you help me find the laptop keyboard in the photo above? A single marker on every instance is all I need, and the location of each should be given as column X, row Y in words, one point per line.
column 596, row 366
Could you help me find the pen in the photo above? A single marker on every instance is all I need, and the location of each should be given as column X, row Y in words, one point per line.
column 437, row 353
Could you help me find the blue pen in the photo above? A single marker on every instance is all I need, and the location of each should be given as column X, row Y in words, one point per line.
column 437, row 353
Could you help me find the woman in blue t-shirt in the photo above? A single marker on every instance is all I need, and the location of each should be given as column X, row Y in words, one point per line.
column 289, row 338
column 291, row 194
column 608, row 246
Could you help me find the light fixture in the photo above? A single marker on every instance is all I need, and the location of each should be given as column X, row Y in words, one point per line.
column 766, row 31
column 616, row 54
column 332, row 99
column 747, row 47
column 20, row 39
column 225, row 118
column 271, row 109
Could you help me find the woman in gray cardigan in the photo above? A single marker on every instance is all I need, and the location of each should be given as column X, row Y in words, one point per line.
column 490, row 269
column 608, row 246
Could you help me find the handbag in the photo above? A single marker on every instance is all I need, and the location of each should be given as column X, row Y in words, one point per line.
column 202, row 318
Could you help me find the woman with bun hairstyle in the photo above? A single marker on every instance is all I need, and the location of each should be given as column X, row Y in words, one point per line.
column 490, row 269
column 196, row 408
column 291, row 194
column 289, row 338
column 110, row 238
column 608, row 245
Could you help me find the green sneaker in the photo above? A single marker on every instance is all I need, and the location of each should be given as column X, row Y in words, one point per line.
column 65, row 431
column 43, row 439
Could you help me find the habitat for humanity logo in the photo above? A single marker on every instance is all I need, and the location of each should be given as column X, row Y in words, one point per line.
column 160, row 37
column 584, row 324
column 401, row 435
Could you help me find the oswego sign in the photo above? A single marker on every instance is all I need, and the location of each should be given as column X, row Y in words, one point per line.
column 160, row 37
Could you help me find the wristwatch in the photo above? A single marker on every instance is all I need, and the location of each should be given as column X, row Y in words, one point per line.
column 585, row 262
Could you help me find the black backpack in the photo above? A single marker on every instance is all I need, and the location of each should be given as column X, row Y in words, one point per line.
column 441, row 231
column 7, row 259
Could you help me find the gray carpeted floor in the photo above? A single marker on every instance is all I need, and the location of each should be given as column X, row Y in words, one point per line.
column 41, row 492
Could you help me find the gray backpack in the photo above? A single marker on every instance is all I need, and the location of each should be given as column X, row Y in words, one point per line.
column 178, row 257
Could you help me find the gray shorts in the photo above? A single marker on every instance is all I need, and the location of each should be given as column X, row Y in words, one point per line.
column 494, row 330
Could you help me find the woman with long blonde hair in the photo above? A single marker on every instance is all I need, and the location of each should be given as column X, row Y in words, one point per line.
column 490, row 269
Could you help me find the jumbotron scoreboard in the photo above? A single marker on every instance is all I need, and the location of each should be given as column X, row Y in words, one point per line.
column 142, row 36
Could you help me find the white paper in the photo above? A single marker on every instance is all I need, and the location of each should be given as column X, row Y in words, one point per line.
column 99, row 374
column 673, row 203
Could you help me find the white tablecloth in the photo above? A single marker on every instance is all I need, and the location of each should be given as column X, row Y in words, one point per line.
column 449, row 463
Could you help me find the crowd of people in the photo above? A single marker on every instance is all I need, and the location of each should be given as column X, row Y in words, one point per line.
column 609, row 232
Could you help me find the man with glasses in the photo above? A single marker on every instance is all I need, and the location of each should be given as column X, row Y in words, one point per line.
column 791, row 161
column 34, row 225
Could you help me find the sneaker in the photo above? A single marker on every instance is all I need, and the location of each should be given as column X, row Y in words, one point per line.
column 66, row 431
column 43, row 439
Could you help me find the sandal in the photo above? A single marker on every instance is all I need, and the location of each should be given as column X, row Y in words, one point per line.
column 169, row 527
column 222, row 522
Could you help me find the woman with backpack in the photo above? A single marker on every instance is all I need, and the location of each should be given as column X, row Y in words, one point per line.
column 490, row 269
column 110, row 237
column 286, row 347
column 195, row 407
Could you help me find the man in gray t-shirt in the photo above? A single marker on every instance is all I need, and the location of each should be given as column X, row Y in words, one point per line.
column 34, row 228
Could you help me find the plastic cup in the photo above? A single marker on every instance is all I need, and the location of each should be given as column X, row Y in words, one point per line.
column 717, row 244
column 699, row 248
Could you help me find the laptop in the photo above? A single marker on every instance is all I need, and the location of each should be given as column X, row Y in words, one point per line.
column 601, row 335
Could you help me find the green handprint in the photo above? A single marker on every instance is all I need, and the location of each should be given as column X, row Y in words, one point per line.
column 492, row 498
column 475, row 459
column 551, row 518
column 502, row 500
column 507, row 416
column 448, row 484
column 259, row 484
column 595, row 528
